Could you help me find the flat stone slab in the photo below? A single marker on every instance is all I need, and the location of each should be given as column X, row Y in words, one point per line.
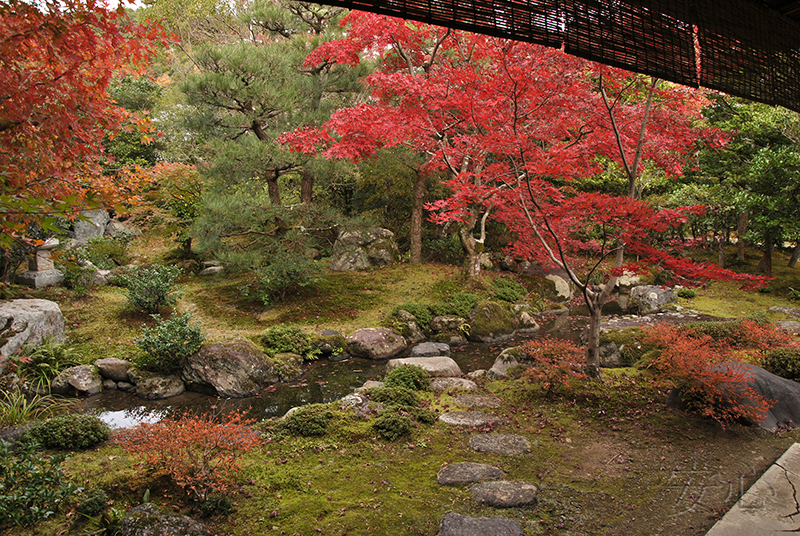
column 459, row 474
column 431, row 349
column 453, row 524
column 444, row 384
column 470, row 418
column 438, row 367
column 770, row 507
column 478, row 401
column 503, row 444
column 505, row 494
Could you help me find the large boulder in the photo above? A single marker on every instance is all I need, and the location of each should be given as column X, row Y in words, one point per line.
column 508, row 358
column 375, row 343
column 92, row 223
column 147, row 520
column 113, row 368
column 438, row 367
column 80, row 380
column 154, row 387
column 355, row 250
column 229, row 369
column 28, row 322
column 491, row 322
column 648, row 299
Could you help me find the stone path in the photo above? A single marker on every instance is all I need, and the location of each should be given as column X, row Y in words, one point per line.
column 771, row 506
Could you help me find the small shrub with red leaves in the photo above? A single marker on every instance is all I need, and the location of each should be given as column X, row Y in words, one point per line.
column 555, row 363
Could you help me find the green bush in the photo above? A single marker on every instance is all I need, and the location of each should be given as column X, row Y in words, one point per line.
column 783, row 362
column 217, row 504
column 421, row 311
column 77, row 278
column 32, row 486
column 458, row 304
column 307, row 421
column 284, row 275
column 92, row 502
column 687, row 293
column 394, row 396
column 40, row 364
column 424, row 415
column 411, row 377
column 151, row 288
column 280, row 339
column 168, row 343
column 391, row 426
column 72, row 431
column 108, row 252
column 509, row 290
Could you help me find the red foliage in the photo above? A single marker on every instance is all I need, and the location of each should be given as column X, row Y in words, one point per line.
column 200, row 455
column 710, row 382
column 555, row 363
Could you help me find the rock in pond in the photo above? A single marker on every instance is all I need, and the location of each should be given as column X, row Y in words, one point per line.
column 154, row 387
column 375, row 343
column 147, row 520
column 80, row 380
column 113, row 368
column 230, row 369
column 438, row 367
column 648, row 299
column 453, row 524
column 431, row 349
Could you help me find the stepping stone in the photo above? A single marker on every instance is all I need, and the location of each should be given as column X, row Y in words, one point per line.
column 453, row 524
column 479, row 401
column 505, row 494
column 443, row 384
column 440, row 367
column 431, row 349
column 470, row 418
column 459, row 474
column 503, row 444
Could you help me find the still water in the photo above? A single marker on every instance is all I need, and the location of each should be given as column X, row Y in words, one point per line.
column 323, row 381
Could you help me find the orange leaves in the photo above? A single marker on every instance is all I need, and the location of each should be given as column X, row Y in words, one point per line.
column 555, row 363
column 200, row 455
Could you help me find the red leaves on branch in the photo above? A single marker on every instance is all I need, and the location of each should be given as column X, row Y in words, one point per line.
column 555, row 363
column 201, row 455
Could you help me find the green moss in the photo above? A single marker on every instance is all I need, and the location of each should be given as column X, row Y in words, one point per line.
column 490, row 320
column 629, row 343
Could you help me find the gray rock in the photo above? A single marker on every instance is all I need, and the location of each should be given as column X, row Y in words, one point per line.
column 126, row 387
column 439, row 367
column 431, row 349
column 40, row 278
column 453, row 524
column 528, row 322
column 790, row 326
column 159, row 387
column 369, row 384
column 230, row 369
column 113, row 368
column 116, row 228
column 503, row 444
column 478, row 401
column 507, row 359
column 411, row 330
column 375, row 343
column 471, row 418
column 475, row 374
column 505, row 494
column 444, row 323
column 80, row 380
column 109, row 385
column 445, row 384
column 791, row 311
column 147, row 520
column 610, row 355
column 650, row 299
column 491, row 322
column 354, row 250
column 28, row 322
column 459, row 474
column 91, row 224
column 211, row 270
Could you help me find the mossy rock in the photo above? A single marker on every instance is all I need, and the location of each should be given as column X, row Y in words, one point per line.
column 329, row 344
column 289, row 365
column 628, row 342
column 492, row 322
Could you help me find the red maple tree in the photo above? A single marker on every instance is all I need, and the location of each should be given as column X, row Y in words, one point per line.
column 58, row 59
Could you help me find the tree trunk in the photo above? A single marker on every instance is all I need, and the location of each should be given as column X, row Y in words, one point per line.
column 721, row 251
column 765, row 264
column 472, row 249
column 273, row 189
column 593, row 342
column 741, row 230
column 306, row 186
column 795, row 256
column 417, row 206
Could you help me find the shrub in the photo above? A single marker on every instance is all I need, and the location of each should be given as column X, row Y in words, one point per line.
column 152, row 287
column 458, row 304
column 280, row 339
column 412, row 377
column 710, row 384
column 424, row 415
column 72, row 431
column 17, row 408
column 200, row 455
column 394, row 396
column 688, row 293
column 217, row 504
column 555, row 363
column 783, row 362
column 743, row 334
column 285, row 274
column 168, row 343
column 92, row 502
column 307, row 421
column 77, row 278
column 509, row 290
column 32, row 486
column 108, row 252
column 421, row 311
column 391, row 426
column 40, row 364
